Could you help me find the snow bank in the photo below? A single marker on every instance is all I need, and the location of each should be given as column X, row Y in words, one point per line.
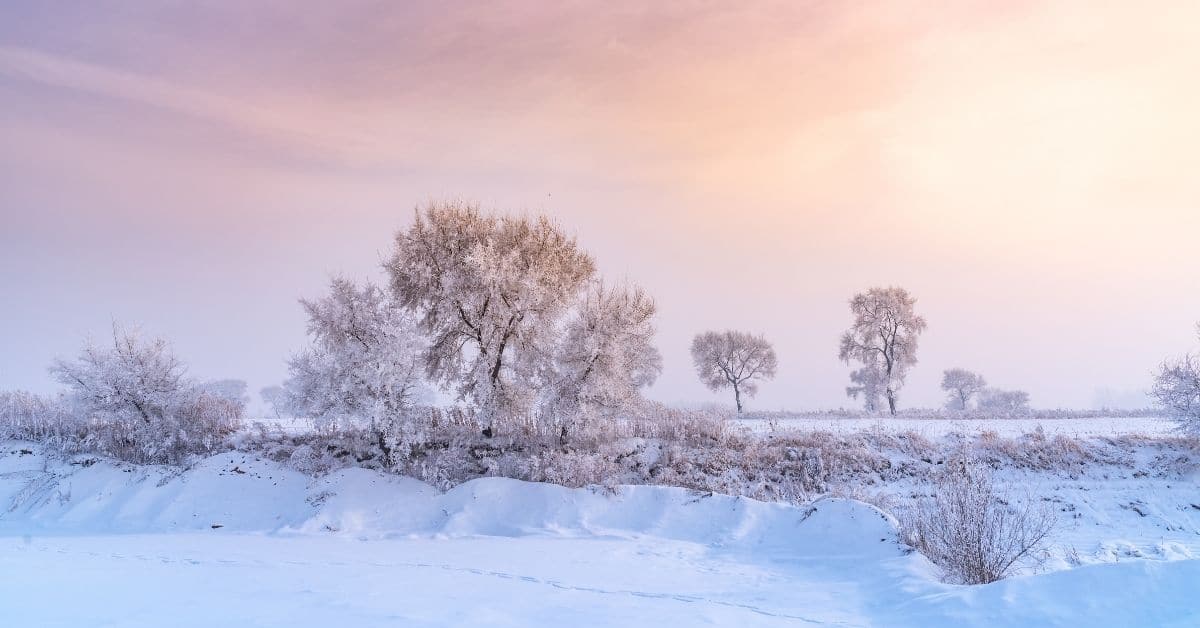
column 374, row 550
column 241, row 492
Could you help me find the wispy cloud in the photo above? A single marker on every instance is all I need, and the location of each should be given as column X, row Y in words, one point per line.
column 278, row 125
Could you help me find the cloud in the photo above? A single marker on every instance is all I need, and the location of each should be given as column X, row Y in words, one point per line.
column 278, row 125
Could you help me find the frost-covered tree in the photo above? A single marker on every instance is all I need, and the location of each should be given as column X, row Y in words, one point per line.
column 136, row 396
column 961, row 385
column 232, row 389
column 1004, row 402
column 606, row 353
column 868, row 382
column 1177, row 389
column 733, row 359
column 364, row 365
column 275, row 398
column 883, row 337
column 490, row 291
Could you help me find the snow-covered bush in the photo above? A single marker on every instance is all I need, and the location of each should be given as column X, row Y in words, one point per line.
column 1177, row 389
column 134, row 401
column 1004, row 403
column 969, row 529
column 27, row 416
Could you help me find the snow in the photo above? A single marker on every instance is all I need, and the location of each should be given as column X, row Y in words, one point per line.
column 936, row 427
column 238, row 540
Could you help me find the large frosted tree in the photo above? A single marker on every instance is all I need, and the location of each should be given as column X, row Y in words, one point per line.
column 883, row 338
column 733, row 359
column 490, row 292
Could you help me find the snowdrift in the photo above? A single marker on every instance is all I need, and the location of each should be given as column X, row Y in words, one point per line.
column 243, row 493
column 244, row 529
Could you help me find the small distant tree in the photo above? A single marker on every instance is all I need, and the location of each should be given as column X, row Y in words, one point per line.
column 231, row 389
column 490, row 292
column 883, row 338
column 868, row 382
column 961, row 385
column 606, row 355
column 275, row 398
column 1004, row 402
column 733, row 359
column 1177, row 389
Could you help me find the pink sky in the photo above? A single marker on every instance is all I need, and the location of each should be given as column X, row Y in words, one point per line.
column 1028, row 170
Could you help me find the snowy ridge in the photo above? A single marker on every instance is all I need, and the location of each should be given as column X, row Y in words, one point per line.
column 239, row 492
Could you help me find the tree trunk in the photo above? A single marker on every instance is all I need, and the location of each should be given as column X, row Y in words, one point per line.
column 737, row 397
column 891, row 397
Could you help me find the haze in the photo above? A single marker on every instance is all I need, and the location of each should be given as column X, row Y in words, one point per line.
column 1027, row 170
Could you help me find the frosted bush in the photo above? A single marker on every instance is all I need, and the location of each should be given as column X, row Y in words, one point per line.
column 974, row 533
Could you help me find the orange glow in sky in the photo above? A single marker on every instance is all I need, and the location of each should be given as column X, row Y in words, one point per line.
column 1027, row 169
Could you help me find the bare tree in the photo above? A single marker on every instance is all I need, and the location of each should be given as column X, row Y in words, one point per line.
column 883, row 337
column 275, row 398
column 961, row 385
column 1004, row 402
column 490, row 292
column 733, row 359
column 1177, row 389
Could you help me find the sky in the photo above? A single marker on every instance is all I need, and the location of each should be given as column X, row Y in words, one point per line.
column 1028, row 170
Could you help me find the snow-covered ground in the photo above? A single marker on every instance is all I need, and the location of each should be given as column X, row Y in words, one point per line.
column 236, row 540
column 935, row 427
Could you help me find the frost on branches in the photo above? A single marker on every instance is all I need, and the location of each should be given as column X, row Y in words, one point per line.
column 490, row 292
column 961, row 386
column 733, row 359
column 364, row 366
column 605, row 355
column 883, row 339
column 137, row 403
column 1177, row 389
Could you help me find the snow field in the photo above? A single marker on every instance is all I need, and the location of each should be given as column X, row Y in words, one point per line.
column 236, row 540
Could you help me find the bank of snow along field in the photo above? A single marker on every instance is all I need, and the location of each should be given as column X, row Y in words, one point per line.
column 239, row 539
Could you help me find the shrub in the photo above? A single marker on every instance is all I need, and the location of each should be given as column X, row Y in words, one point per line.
column 970, row 530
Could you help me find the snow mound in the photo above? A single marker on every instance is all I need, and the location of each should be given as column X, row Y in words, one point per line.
column 241, row 492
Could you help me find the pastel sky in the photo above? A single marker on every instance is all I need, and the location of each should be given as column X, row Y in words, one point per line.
column 1029, row 170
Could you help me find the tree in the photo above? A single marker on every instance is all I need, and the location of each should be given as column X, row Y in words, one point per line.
column 490, row 292
column 868, row 382
column 1177, row 389
column 275, row 398
column 883, row 338
column 364, row 365
column 733, row 359
column 143, row 408
column 961, row 385
column 606, row 355
column 1004, row 402
column 231, row 389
